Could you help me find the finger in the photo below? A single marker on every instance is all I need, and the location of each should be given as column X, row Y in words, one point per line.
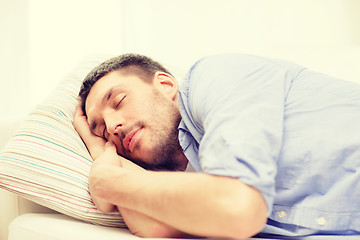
column 78, row 110
column 103, row 206
column 80, row 121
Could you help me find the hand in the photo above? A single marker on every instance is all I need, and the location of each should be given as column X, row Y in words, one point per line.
column 106, row 170
column 94, row 143
column 100, row 176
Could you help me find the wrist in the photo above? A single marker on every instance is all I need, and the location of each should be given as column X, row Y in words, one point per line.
column 107, row 159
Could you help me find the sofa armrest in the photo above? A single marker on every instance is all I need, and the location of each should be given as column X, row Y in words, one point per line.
column 9, row 211
column 9, row 201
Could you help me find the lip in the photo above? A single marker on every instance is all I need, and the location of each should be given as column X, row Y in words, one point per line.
column 130, row 139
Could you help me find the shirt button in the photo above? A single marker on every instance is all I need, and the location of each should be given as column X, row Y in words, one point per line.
column 281, row 214
column 321, row 221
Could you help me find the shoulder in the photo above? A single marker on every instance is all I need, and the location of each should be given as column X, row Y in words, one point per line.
column 228, row 68
column 209, row 79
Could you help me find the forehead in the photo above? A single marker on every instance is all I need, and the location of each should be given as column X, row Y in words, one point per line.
column 115, row 80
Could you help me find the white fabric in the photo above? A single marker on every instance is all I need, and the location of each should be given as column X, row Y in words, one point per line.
column 61, row 227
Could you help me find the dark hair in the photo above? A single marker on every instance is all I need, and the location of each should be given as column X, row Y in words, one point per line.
column 139, row 65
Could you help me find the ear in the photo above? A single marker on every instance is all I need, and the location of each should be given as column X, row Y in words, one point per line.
column 167, row 84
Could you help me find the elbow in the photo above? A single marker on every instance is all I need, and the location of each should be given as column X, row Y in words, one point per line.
column 163, row 231
column 247, row 226
column 246, row 219
column 159, row 230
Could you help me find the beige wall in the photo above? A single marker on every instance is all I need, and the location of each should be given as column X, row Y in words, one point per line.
column 14, row 57
column 41, row 40
column 190, row 29
column 63, row 32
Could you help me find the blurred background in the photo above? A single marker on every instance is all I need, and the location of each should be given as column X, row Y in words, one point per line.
column 42, row 40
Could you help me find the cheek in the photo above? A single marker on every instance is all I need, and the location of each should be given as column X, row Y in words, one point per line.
column 133, row 112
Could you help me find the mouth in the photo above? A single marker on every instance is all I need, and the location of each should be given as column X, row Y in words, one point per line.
column 131, row 139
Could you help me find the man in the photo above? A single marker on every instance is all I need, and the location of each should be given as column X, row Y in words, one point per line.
column 275, row 147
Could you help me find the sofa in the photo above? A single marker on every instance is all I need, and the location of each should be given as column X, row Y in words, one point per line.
column 24, row 219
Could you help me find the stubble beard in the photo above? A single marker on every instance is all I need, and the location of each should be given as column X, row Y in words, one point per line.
column 166, row 152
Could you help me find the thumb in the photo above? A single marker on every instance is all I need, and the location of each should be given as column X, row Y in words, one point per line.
column 110, row 148
column 109, row 145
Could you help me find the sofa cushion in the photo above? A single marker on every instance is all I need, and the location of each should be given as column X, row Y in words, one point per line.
column 46, row 161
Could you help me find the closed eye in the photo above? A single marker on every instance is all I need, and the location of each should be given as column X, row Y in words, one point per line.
column 119, row 102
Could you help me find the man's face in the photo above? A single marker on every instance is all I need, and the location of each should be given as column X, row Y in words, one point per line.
column 140, row 118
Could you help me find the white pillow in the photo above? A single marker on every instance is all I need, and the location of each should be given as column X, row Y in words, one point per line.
column 47, row 162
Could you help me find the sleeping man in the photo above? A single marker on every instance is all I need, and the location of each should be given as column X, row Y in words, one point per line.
column 244, row 146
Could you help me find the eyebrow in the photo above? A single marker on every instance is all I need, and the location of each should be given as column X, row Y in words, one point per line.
column 107, row 96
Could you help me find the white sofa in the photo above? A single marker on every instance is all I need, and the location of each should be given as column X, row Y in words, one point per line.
column 21, row 219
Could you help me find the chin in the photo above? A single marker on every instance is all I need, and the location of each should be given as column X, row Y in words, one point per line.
column 157, row 158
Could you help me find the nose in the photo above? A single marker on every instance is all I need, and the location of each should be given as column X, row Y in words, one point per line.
column 114, row 129
column 113, row 125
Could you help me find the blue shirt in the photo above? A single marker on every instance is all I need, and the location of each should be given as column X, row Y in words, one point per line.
column 291, row 133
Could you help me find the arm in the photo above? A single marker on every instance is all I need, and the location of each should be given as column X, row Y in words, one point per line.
column 104, row 154
column 196, row 203
column 139, row 224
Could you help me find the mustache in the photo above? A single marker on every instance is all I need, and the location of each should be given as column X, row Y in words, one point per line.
column 125, row 131
column 121, row 136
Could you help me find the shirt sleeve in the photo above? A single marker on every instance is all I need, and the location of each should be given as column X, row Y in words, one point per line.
column 238, row 103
